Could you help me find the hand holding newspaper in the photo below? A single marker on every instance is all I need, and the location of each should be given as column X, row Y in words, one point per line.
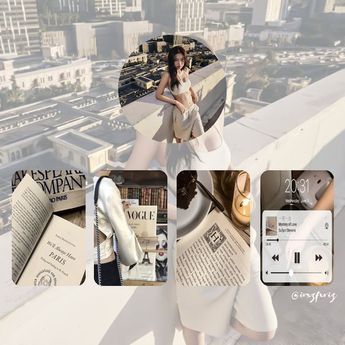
column 213, row 254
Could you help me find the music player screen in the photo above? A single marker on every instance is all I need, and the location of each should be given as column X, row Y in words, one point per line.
column 296, row 227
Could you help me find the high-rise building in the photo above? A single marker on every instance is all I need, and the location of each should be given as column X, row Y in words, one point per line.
column 128, row 35
column 317, row 7
column 54, row 43
column 189, row 16
column 113, row 38
column 110, row 8
column 133, row 5
column 284, row 10
column 265, row 11
column 75, row 6
column 54, row 38
column 221, row 38
column 19, row 27
column 85, row 39
column 179, row 16
column 88, row 9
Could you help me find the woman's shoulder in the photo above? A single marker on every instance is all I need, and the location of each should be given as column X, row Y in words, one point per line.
column 103, row 179
column 185, row 75
column 108, row 186
column 165, row 74
column 165, row 78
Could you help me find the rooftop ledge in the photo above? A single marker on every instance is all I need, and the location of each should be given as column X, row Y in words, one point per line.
column 305, row 130
column 153, row 118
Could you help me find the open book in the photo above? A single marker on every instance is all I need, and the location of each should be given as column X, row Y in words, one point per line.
column 65, row 188
column 46, row 249
column 143, row 219
column 213, row 254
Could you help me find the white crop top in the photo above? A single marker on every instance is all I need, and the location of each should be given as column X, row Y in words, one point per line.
column 183, row 87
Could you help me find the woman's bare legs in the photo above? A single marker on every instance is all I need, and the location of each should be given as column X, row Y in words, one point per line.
column 260, row 336
column 192, row 337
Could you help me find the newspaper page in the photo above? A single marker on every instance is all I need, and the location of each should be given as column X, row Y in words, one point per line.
column 59, row 258
column 65, row 188
column 31, row 211
column 213, row 254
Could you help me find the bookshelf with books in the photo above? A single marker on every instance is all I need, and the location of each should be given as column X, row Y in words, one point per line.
column 147, row 187
column 148, row 195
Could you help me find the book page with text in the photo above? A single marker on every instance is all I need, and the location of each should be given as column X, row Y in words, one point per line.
column 59, row 258
column 213, row 254
column 31, row 210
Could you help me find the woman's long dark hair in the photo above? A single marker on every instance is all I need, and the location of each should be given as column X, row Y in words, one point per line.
column 171, row 66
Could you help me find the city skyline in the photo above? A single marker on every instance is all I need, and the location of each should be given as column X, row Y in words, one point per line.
column 262, row 64
column 93, row 40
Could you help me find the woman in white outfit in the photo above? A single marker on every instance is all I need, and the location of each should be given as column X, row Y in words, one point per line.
column 220, row 312
column 186, row 117
column 111, row 225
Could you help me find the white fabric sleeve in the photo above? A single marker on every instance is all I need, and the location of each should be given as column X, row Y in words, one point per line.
column 128, row 246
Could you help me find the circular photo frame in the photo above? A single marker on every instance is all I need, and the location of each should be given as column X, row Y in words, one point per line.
column 172, row 89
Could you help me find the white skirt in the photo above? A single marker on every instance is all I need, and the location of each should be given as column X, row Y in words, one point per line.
column 187, row 124
column 210, row 309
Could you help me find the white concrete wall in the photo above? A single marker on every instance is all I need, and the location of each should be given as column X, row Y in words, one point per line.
column 305, row 129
